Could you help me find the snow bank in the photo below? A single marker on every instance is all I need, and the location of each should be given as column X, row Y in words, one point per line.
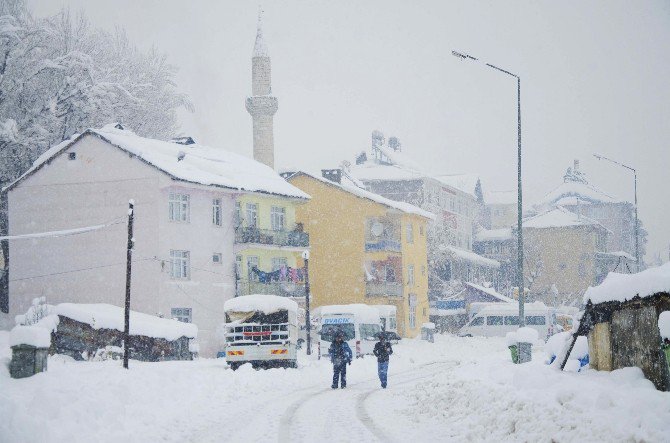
column 260, row 302
column 104, row 316
column 664, row 324
column 30, row 335
column 622, row 287
column 363, row 313
column 526, row 335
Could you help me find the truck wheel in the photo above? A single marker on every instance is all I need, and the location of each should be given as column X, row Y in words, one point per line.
column 234, row 365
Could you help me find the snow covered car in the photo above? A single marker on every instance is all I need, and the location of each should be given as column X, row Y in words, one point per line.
column 497, row 319
column 262, row 330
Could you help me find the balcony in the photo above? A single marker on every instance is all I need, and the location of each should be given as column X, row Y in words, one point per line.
column 381, row 289
column 295, row 239
column 282, row 288
column 382, row 244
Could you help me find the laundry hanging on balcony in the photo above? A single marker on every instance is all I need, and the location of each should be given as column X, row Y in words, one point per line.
column 285, row 273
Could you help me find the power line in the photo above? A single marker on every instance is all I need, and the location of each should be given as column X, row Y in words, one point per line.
column 72, row 271
column 62, row 233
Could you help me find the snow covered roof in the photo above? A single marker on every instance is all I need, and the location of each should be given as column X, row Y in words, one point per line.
column 363, row 313
column 620, row 254
column 264, row 303
column 473, row 257
column 559, row 217
column 492, row 292
column 377, row 172
column 567, row 194
column 493, row 234
column 622, row 287
column 463, row 182
column 500, row 197
column 362, row 193
column 104, row 316
column 194, row 163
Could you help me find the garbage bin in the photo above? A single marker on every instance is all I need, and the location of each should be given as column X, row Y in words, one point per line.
column 428, row 332
column 514, row 350
column 525, row 352
column 30, row 350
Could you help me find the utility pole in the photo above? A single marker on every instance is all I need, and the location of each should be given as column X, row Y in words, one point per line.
column 308, row 325
column 519, row 262
column 129, row 252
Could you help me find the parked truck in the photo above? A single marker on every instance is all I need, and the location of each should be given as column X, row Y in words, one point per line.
column 261, row 330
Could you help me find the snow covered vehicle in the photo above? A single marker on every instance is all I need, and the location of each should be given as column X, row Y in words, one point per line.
column 497, row 319
column 262, row 330
column 359, row 323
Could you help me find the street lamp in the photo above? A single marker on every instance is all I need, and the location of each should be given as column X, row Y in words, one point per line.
column 519, row 264
column 637, row 224
column 305, row 256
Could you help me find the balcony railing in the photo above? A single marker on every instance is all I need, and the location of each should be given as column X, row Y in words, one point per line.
column 382, row 244
column 378, row 289
column 282, row 288
column 269, row 237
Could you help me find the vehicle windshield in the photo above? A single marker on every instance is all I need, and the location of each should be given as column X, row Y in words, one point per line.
column 369, row 331
column 328, row 332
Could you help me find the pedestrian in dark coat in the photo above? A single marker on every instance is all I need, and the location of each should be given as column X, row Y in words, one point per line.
column 382, row 351
column 340, row 354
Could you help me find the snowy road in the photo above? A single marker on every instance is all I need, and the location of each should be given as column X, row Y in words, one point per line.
column 457, row 389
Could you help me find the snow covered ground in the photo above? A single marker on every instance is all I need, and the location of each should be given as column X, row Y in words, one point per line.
column 457, row 389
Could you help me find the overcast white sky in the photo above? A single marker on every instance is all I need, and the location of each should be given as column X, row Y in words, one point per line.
column 594, row 79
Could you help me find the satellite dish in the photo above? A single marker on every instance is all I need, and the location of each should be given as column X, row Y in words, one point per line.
column 377, row 229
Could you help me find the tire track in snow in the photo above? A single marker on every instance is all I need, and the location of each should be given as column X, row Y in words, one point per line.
column 364, row 417
column 288, row 419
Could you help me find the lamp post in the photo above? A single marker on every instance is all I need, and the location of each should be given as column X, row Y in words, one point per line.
column 637, row 236
column 305, row 256
column 519, row 265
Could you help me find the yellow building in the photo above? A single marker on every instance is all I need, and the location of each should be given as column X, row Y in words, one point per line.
column 365, row 248
column 269, row 245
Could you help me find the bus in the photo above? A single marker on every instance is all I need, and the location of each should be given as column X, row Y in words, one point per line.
column 360, row 324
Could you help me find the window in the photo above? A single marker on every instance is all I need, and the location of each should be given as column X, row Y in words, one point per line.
column 238, row 266
column 217, row 258
column 494, row 320
column 393, row 323
column 477, row 321
column 72, row 155
column 238, row 214
column 252, row 215
column 182, row 314
column 512, row 320
column 412, row 317
column 409, row 231
column 181, row 266
column 278, row 262
column 216, row 212
column 252, row 262
column 179, row 207
column 535, row 320
column 277, row 217
column 410, row 275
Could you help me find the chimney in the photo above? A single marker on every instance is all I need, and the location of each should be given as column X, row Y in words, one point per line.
column 576, row 167
column 334, row 175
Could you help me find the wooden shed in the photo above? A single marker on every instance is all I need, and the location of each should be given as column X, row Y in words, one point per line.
column 621, row 321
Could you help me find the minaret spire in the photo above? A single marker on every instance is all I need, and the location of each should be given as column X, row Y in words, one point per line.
column 262, row 105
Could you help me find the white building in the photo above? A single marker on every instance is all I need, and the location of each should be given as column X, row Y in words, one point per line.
column 185, row 210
